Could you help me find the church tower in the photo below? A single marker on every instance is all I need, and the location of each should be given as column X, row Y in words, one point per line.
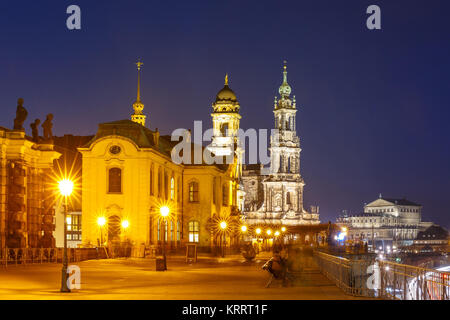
column 138, row 116
column 226, row 120
column 283, row 188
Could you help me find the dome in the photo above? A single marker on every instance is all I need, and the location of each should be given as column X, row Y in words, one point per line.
column 226, row 94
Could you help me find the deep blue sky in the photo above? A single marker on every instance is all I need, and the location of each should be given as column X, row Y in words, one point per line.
column 373, row 105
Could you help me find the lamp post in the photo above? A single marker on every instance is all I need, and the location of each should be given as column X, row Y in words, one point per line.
column 65, row 188
column 164, row 211
column 223, row 226
column 101, row 221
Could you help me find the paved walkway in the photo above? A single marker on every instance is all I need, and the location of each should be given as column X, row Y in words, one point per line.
column 209, row 278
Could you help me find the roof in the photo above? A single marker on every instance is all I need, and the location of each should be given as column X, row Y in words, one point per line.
column 400, row 202
column 144, row 138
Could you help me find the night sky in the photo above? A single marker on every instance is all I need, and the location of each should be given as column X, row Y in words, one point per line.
column 373, row 105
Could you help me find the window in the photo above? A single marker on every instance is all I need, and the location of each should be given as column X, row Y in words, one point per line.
column 193, row 192
column 171, row 231
column 172, row 189
column 151, row 180
column 225, row 200
column 288, row 198
column 115, row 180
column 178, row 231
column 159, row 183
column 73, row 226
column 166, row 186
column 214, row 190
column 193, row 231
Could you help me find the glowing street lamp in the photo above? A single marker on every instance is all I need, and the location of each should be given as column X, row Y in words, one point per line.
column 65, row 189
column 164, row 211
column 244, row 228
column 283, row 229
column 277, row 233
column 223, row 225
column 269, row 232
column 258, row 230
column 101, row 221
column 125, row 224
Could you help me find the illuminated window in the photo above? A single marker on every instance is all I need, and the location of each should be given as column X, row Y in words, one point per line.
column 172, row 189
column 193, row 192
column 172, row 234
column 166, row 186
column 178, row 190
column 178, row 231
column 115, row 180
column 194, row 230
column 73, row 226
column 159, row 183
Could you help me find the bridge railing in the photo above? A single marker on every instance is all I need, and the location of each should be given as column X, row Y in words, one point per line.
column 349, row 275
column 384, row 279
column 404, row 282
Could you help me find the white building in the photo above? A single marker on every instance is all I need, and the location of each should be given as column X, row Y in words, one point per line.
column 386, row 222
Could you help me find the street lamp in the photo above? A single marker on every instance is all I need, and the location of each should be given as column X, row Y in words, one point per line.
column 125, row 224
column 223, row 226
column 244, row 228
column 65, row 189
column 101, row 221
column 164, row 211
column 283, row 229
column 258, row 230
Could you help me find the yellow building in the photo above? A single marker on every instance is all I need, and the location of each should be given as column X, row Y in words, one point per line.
column 128, row 175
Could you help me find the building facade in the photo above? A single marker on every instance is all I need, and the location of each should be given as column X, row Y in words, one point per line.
column 277, row 198
column 386, row 222
column 128, row 175
column 27, row 191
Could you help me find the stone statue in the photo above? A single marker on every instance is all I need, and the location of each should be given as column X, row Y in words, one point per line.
column 35, row 130
column 21, row 115
column 47, row 126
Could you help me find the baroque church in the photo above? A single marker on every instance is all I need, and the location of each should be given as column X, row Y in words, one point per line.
column 277, row 197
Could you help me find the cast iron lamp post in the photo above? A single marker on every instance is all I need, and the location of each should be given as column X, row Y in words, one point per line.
column 65, row 188
column 164, row 211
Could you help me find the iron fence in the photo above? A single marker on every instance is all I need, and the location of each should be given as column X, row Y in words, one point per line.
column 384, row 279
column 23, row 256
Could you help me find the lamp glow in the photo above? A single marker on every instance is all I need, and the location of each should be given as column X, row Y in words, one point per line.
column 258, row 231
column 244, row 228
column 223, row 225
column 65, row 187
column 164, row 210
column 125, row 224
column 101, row 221
column 277, row 233
column 283, row 229
column 269, row 232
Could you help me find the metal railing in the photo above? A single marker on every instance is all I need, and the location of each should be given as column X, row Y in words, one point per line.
column 23, row 256
column 384, row 279
column 404, row 282
column 349, row 275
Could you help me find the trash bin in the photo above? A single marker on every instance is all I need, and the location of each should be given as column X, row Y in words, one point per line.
column 160, row 266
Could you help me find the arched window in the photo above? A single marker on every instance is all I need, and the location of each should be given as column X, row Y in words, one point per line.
column 194, row 230
column 193, row 191
column 224, row 129
column 178, row 190
column 225, row 196
column 151, row 180
column 178, row 231
column 166, row 186
column 172, row 189
column 115, row 180
column 288, row 198
column 159, row 183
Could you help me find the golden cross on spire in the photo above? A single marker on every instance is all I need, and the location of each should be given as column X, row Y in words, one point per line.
column 226, row 79
column 139, row 64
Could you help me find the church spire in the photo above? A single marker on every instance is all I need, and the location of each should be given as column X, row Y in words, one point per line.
column 285, row 89
column 138, row 116
column 226, row 79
